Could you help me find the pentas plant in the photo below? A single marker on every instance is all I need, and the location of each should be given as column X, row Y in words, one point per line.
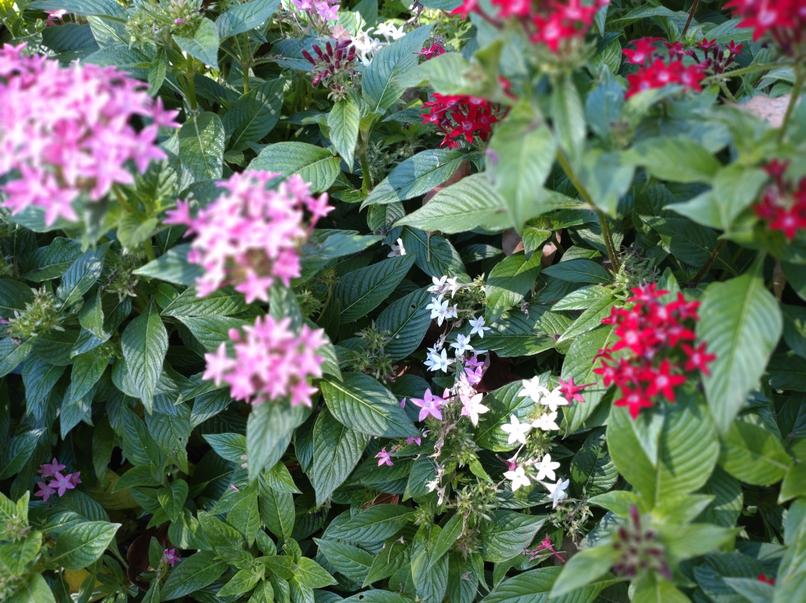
column 465, row 301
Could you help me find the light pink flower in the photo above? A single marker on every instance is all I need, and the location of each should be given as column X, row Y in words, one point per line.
column 250, row 236
column 384, row 458
column 68, row 134
column 430, row 405
column 270, row 362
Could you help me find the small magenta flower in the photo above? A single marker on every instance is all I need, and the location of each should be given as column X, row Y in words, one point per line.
column 171, row 557
column 430, row 405
column 384, row 458
column 51, row 469
column 45, row 491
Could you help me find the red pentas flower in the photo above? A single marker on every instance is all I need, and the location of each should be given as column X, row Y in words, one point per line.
column 783, row 205
column 460, row 117
column 784, row 20
column 680, row 65
column 655, row 351
column 555, row 24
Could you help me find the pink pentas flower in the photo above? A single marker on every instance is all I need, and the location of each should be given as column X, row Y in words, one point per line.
column 460, row 117
column 68, row 134
column 250, row 236
column 384, row 458
column 783, row 203
column 45, row 491
column 783, row 20
column 63, row 483
column 571, row 391
column 270, row 361
column 430, row 405
column 171, row 557
column 52, row 468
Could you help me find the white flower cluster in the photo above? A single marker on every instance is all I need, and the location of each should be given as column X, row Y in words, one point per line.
column 518, row 433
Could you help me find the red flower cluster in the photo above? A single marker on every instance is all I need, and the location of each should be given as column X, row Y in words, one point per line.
column 781, row 206
column 458, row 116
column 762, row 577
column 655, row 72
column 334, row 65
column 552, row 23
column 784, row 20
column 656, row 341
column 434, row 50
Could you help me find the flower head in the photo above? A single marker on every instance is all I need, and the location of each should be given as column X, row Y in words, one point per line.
column 516, row 431
column 384, row 458
column 171, row 557
column 518, row 478
column 271, row 361
column 249, row 237
column 68, row 133
column 460, row 118
column 430, row 405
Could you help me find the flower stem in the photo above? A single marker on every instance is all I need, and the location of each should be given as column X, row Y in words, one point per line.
column 366, row 174
column 793, row 101
column 691, row 12
column 586, row 197
column 745, row 71
column 708, row 263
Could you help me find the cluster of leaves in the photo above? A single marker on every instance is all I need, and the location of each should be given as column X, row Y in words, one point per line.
column 577, row 192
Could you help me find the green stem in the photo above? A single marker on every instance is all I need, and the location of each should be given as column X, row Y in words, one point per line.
column 586, row 197
column 746, row 71
column 366, row 174
column 149, row 249
column 708, row 263
column 800, row 75
column 690, row 17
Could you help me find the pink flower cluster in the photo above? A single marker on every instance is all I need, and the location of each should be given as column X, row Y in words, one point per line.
column 655, row 72
column 784, row 20
column 58, row 482
column 552, row 23
column 656, row 345
column 782, row 206
column 249, row 237
column 67, row 133
column 270, row 362
column 458, row 116
column 327, row 10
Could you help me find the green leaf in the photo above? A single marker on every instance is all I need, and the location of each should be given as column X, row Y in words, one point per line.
column 607, row 177
column 336, row 451
column 204, row 43
column 343, row 121
column 664, row 455
column 675, row 159
column 363, row 404
column 510, row 280
column 18, row 451
column 578, row 270
column 193, row 573
column 83, row 8
column 592, row 469
column 173, row 267
column 380, row 82
column 144, row 344
column 416, row 176
column 465, row 205
column 373, row 525
column 433, row 254
column 351, row 561
column 34, row 589
column 753, row 454
column 311, row 574
column 81, row 544
column 82, row 274
column 524, row 150
column 201, row 146
column 268, row 433
column 568, row 116
column 242, row 582
column 241, row 18
column 579, row 363
column 508, row 533
column 741, row 323
column 277, row 511
column 317, row 166
column 255, row 114
column 502, row 403
column 405, row 321
column 361, row 291
column 583, row 568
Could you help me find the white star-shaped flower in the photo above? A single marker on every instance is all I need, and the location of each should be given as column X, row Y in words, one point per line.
column 546, row 422
column 477, row 327
column 397, row 249
column 518, row 478
column 533, row 389
column 557, row 491
column 554, row 399
column 515, row 430
column 439, row 361
column 441, row 310
column 545, row 468
column 437, row 285
column 472, row 408
column 462, row 344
